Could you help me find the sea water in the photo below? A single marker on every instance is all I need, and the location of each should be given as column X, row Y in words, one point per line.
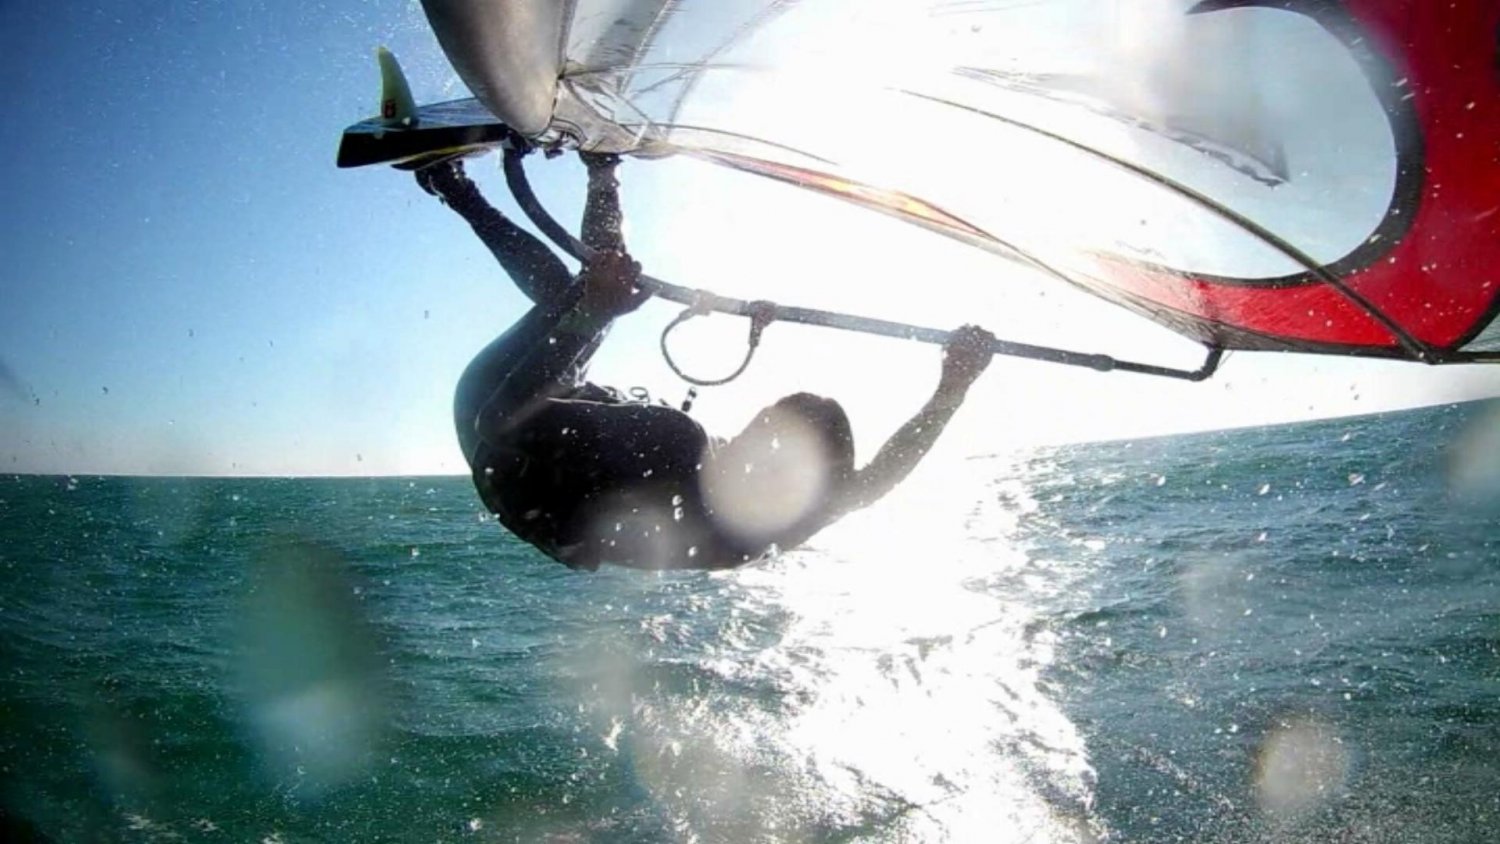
column 1278, row 634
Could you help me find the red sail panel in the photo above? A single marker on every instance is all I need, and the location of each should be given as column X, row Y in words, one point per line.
column 1297, row 316
column 1433, row 268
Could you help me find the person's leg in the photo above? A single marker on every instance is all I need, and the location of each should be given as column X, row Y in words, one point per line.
column 488, row 369
column 602, row 217
column 533, row 361
column 539, row 273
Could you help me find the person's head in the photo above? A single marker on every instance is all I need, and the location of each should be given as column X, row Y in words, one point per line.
column 820, row 419
column 782, row 468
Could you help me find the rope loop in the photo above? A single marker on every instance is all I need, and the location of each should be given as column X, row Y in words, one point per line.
column 761, row 313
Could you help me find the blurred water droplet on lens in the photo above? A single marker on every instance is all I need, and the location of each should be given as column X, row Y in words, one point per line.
column 1472, row 461
column 309, row 669
column 1300, row 764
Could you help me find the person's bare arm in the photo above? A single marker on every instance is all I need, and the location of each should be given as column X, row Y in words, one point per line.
column 965, row 356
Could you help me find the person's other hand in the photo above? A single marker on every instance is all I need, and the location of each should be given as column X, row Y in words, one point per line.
column 611, row 285
column 599, row 160
column 965, row 356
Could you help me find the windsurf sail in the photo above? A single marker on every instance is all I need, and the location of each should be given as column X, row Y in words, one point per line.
column 1296, row 175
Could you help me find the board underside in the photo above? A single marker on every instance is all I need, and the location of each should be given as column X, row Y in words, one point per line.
column 440, row 130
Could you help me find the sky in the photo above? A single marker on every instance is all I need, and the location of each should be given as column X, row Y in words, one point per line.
column 192, row 287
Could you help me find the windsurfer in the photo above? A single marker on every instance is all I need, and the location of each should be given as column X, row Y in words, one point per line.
column 589, row 476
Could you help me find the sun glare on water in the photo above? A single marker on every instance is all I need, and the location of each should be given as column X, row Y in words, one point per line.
column 899, row 660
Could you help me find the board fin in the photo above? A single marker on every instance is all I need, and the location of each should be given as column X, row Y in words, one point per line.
column 411, row 137
column 397, row 108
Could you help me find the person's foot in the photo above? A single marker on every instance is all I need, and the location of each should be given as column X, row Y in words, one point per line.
column 444, row 179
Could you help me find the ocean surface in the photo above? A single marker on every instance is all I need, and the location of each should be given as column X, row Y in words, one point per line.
column 1277, row 634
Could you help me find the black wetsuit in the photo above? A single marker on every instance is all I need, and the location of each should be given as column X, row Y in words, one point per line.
column 582, row 473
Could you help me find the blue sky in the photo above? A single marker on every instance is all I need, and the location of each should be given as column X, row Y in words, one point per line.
column 180, row 237
column 193, row 287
